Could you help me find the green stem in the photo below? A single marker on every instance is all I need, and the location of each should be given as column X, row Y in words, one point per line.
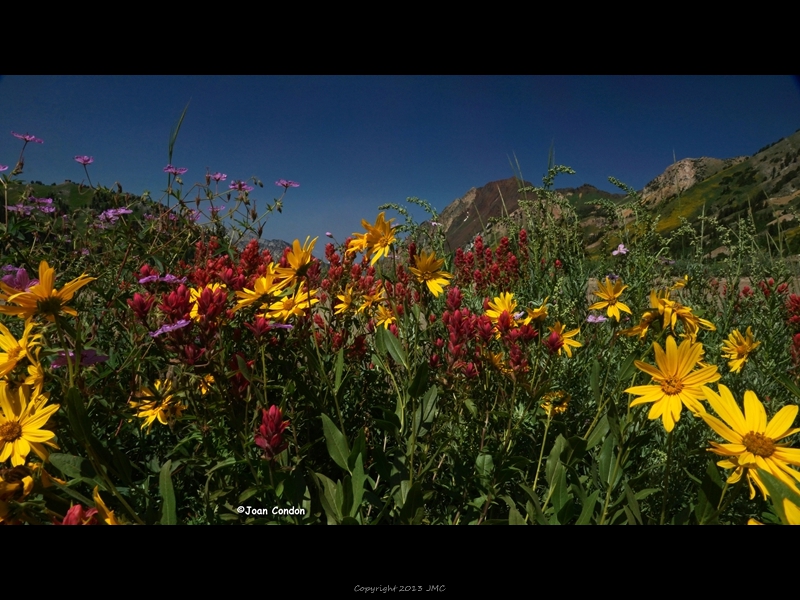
column 541, row 453
column 665, row 485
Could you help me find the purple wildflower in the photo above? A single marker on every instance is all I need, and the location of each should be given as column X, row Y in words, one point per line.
column 18, row 279
column 170, row 278
column 112, row 214
column 27, row 138
column 240, row 186
column 169, row 327
column 175, row 170
column 329, row 234
column 41, row 200
column 216, row 209
column 621, row 249
column 88, row 357
column 286, row 183
column 47, row 209
column 85, row 160
column 219, row 177
column 666, row 261
column 435, row 224
column 595, row 319
column 85, row 251
column 612, row 276
column 194, row 214
column 3, row 168
column 21, row 208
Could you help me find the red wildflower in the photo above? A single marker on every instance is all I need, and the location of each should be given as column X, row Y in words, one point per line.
column 269, row 436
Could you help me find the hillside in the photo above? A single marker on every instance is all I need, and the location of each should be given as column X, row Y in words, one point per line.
column 766, row 184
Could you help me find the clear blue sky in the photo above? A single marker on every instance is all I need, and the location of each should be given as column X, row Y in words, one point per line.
column 355, row 142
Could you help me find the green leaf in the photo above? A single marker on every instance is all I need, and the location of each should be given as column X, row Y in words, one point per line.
column 248, row 493
column 473, row 410
column 427, row 410
column 606, row 460
column 533, row 507
column 359, row 449
column 393, row 346
column 328, row 498
column 417, row 386
column 165, row 490
column 357, row 483
column 73, row 467
column 587, row 511
column 413, row 511
column 338, row 375
column 78, row 420
column 484, row 465
column 779, row 493
column 559, row 493
column 628, row 368
column 553, row 459
column 597, row 433
column 633, row 505
column 594, row 380
column 336, row 443
column 709, row 494
column 789, row 385
column 514, row 516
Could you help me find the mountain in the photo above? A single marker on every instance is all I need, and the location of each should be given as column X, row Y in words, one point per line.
column 766, row 184
column 469, row 215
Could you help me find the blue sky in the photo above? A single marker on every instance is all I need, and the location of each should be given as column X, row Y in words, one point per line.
column 356, row 142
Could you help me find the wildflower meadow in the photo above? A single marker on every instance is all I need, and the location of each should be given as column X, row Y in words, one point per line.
column 157, row 369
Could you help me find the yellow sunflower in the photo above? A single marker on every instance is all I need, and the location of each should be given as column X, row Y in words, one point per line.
column 384, row 317
column 379, row 237
column 299, row 260
column 296, row 304
column 346, row 300
column 751, row 440
column 13, row 350
column 21, row 423
column 648, row 318
column 609, row 294
column 370, row 299
column 673, row 311
column 271, row 282
column 358, row 243
column 555, row 403
column 428, row 270
column 738, row 348
column 159, row 404
column 674, row 383
column 536, row 314
column 43, row 299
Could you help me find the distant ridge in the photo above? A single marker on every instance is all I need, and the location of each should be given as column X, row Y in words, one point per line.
column 765, row 185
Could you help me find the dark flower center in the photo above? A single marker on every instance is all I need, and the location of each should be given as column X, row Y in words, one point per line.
column 50, row 306
column 759, row 444
column 672, row 386
column 11, row 431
